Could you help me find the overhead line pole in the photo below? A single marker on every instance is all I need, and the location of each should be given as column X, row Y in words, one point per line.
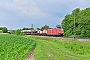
column 74, row 26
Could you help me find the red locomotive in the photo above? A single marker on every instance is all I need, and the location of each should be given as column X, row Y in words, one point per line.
column 48, row 32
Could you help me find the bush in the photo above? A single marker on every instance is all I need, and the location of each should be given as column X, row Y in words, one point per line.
column 4, row 29
column 18, row 32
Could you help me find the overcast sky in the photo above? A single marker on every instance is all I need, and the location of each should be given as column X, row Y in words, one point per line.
column 15, row 14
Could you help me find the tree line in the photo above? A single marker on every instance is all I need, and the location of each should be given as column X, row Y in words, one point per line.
column 45, row 27
column 42, row 28
column 82, row 23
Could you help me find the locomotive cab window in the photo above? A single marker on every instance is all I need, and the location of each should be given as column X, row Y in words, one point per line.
column 61, row 30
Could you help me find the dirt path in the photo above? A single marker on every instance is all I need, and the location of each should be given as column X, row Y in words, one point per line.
column 30, row 56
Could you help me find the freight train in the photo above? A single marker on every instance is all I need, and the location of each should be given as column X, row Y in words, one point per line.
column 48, row 32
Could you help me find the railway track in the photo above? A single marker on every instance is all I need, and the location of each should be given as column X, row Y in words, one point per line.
column 64, row 38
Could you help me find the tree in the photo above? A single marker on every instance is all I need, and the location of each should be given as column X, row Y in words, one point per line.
column 45, row 27
column 58, row 26
column 28, row 28
column 38, row 29
column 25, row 28
column 18, row 32
column 31, row 28
column 4, row 29
column 82, row 23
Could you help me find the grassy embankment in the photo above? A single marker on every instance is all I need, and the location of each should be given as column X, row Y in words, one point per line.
column 54, row 49
column 14, row 47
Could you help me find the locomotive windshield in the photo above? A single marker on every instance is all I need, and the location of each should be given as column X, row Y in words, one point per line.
column 61, row 30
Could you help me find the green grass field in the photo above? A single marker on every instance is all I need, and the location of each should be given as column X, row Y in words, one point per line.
column 56, row 49
column 14, row 47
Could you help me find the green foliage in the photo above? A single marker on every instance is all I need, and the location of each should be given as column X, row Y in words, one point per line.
column 18, row 32
column 82, row 19
column 68, row 33
column 1, row 31
column 4, row 29
column 45, row 27
column 14, row 47
column 28, row 28
column 31, row 28
column 25, row 28
column 38, row 29
column 58, row 26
